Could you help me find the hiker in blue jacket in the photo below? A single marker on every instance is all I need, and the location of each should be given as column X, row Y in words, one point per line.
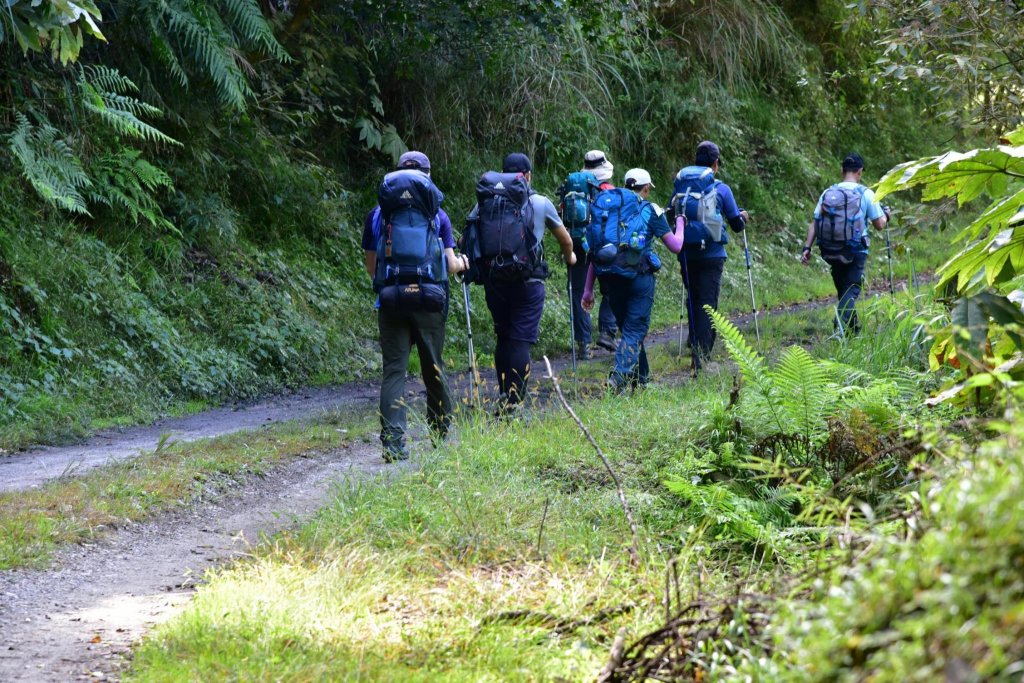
column 841, row 220
column 708, row 204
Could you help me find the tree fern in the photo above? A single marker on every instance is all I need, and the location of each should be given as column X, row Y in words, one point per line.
column 211, row 37
column 102, row 91
column 50, row 165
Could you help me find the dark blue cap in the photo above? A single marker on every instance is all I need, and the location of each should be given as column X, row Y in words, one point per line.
column 853, row 162
column 516, row 162
column 707, row 153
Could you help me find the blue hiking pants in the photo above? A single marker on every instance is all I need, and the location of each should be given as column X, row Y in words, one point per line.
column 631, row 301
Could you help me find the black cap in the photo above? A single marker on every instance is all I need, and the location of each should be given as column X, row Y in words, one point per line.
column 707, row 153
column 853, row 162
column 516, row 162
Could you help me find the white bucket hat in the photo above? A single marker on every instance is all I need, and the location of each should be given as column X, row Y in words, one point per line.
column 597, row 163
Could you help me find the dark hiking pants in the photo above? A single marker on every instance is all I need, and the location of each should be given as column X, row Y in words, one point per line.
column 703, row 281
column 516, row 308
column 398, row 333
column 631, row 300
column 848, row 279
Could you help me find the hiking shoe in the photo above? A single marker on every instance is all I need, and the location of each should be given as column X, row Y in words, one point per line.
column 583, row 352
column 606, row 341
column 394, row 453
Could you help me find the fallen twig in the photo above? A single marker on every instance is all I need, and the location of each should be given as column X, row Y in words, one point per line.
column 634, row 549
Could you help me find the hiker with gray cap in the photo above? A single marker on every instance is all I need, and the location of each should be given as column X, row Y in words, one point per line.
column 503, row 240
column 707, row 204
column 841, row 219
column 411, row 283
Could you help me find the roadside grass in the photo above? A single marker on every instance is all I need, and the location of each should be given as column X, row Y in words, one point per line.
column 73, row 509
column 503, row 558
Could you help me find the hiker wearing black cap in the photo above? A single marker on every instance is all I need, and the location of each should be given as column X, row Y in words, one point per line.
column 622, row 237
column 503, row 239
column 412, row 293
column 707, row 204
column 841, row 219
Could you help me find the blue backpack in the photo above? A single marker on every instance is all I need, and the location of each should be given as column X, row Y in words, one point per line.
column 411, row 268
column 696, row 197
column 618, row 233
column 578, row 193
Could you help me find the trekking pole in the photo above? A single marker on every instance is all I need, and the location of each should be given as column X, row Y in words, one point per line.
column 888, row 252
column 474, row 373
column 572, row 329
column 750, row 280
column 685, row 284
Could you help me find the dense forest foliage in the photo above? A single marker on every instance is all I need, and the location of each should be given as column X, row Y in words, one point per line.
column 185, row 181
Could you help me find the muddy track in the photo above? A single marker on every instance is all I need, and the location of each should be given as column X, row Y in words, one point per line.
column 33, row 468
column 79, row 620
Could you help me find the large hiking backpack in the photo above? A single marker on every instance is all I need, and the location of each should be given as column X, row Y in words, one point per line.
column 842, row 224
column 618, row 233
column 500, row 240
column 411, row 270
column 578, row 193
column 696, row 197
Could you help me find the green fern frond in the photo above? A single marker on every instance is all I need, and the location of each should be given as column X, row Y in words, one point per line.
column 804, row 391
column 199, row 28
column 128, row 182
column 248, row 22
column 50, row 165
column 102, row 91
column 752, row 366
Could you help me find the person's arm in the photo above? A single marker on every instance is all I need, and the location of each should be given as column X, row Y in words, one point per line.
column 565, row 242
column 456, row 264
column 370, row 258
column 671, row 239
column 369, row 242
column 554, row 224
column 736, row 216
column 805, row 255
column 587, row 302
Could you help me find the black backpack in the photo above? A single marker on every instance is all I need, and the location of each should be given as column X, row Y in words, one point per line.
column 500, row 241
column 842, row 225
column 411, row 270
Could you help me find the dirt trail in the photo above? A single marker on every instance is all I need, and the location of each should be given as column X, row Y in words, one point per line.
column 76, row 621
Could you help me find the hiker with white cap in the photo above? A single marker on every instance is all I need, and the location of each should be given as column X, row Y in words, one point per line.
column 595, row 161
column 412, row 294
column 621, row 238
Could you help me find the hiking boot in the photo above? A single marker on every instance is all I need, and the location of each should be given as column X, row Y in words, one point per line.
column 583, row 352
column 394, row 453
column 606, row 341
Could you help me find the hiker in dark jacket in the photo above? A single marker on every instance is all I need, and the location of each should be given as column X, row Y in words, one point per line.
column 516, row 305
column 627, row 273
column 703, row 256
column 844, row 241
column 403, row 326
column 595, row 161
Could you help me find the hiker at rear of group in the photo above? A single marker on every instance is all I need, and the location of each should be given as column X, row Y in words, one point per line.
column 503, row 238
column 621, row 238
column 409, row 254
column 708, row 204
column 577, row 194
column 841, row 220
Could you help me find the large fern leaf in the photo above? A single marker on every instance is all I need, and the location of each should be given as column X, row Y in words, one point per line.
column 752, row 366
column 103, row 92
column 50, row 165
column 804, row 391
